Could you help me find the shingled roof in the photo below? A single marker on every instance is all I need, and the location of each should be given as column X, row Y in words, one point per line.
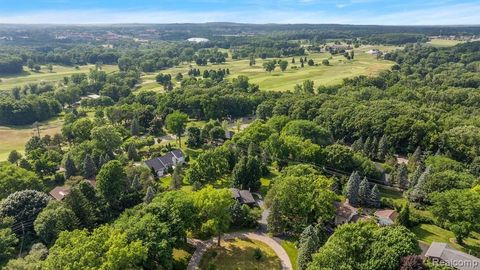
column 243, row 196
column 452, row 257
column 165, row 161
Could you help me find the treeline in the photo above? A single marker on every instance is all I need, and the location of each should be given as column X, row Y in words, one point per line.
column 10, row 64
column 39, row 102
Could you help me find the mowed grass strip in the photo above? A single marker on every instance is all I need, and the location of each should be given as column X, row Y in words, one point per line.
column 7, row 82
column 239, row 254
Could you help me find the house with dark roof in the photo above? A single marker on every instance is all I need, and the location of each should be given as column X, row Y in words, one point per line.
column 161, row 164
column 243, row 196
column 344, row 213
column 442, row 253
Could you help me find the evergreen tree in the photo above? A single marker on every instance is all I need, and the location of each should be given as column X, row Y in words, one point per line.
column 135, row 127
column 367, row 146
column 401, row 176
column 357, row 145
column 416, row 175
column 239, row 173
column 177, row 178
column 136, row 185
column 364, row 192
column 293, row 60
column 254, row 173
column 418, row 193
column 132, row 152
column 382, row 148
column 352, row 188
column 89, row 169
column 246, row 173
column 375, row 197
column 417, row 156
column 374, row 150
column 404, row 216
column 70, row 169
column 149, row 195
column 309, row 243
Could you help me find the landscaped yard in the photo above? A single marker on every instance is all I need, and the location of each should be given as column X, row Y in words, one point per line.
column 428, row 233
column 240, row 254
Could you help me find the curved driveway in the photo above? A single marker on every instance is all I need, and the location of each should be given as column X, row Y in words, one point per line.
column 203, row 246
column 261, row 236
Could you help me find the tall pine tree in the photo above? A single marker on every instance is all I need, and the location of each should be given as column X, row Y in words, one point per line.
column 364, row 192
column 382, row 149
column 375, row 197
column 132, row 152
column 177, row 178
column 401, row 176
column 89, row 169
column 353, row 185
column 367, row 146
column 374, row 150
column 416, row 175
column 418, row 193
column 149, row 195
column 309, row 243
column 357, row 145
column 135, row 127
column 70, row 169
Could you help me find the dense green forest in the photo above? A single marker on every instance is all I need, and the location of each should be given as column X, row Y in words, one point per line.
column 304, row 151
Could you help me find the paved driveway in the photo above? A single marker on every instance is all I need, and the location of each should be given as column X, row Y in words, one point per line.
column 203, row 246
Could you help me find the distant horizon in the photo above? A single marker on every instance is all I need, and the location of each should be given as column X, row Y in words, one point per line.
column 236, row 23
column 350, row 12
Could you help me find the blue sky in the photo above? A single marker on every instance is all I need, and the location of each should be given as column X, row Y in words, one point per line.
column 384, row 12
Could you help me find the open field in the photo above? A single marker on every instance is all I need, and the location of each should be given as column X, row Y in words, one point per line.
column 436, row 42
column 239, row 254
column 7, row 82
column 14, row 138
column 339, row 69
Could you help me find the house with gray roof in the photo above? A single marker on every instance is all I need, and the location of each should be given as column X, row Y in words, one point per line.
column 243, row 196
column 161, row 164
column 442, row 253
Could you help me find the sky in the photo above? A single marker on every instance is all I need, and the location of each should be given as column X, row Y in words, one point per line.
column 360, row 12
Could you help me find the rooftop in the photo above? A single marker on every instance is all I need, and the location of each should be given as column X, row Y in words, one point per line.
column 452, row 257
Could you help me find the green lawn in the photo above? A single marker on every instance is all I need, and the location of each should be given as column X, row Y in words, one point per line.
column 428, row 233
column 443, row 42
column 339, row 69
column 239, row 254
column 181, row 256
column 15, row 137
column 292, row 251
column 7, row 82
